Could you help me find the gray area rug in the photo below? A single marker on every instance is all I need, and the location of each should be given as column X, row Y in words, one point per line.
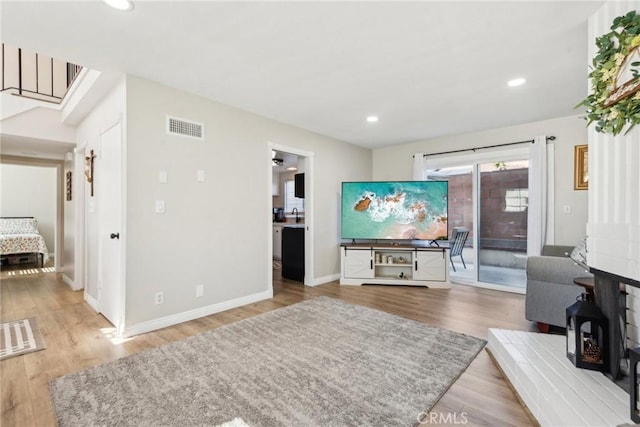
column 321, row 362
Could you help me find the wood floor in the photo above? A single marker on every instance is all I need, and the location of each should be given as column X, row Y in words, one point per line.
column 77, row 338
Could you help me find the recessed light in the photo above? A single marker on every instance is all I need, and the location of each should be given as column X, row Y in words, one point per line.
column 372, row 119
column 125, row 5
column 292, row 168
column 516, row 82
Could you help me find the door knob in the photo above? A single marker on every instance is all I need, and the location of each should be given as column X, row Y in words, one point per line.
column 115, row 235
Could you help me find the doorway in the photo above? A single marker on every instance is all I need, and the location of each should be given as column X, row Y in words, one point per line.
column 33, row 188
column 286, row 165
column 488, row 195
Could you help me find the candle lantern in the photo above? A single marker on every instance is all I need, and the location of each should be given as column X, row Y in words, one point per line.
column 587, row 335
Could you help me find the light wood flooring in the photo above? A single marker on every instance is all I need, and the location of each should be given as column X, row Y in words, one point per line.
column 77, row 338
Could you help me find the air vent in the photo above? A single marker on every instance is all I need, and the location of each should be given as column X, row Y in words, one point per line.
column 186, row 128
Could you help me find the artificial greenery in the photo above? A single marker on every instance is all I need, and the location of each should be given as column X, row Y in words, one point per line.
column 613, row 49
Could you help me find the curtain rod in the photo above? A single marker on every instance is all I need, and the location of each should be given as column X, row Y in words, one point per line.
column 530, row 141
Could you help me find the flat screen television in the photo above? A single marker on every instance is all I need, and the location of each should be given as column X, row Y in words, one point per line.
column 395, row 210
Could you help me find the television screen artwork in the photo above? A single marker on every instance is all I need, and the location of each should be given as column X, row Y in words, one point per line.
column 397, row 210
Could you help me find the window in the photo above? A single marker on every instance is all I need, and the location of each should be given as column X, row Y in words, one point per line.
column 516, row 200
column 290, row 200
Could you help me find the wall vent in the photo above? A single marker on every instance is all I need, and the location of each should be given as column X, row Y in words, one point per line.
column 181, row 127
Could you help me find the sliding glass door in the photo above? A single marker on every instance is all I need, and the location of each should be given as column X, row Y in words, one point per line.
column 488, row 196
column 503, row 195
column 460, row 217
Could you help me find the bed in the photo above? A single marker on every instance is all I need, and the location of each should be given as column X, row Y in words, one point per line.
column 21, row 242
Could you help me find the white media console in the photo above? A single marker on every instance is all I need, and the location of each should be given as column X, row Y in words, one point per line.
column 394, row 265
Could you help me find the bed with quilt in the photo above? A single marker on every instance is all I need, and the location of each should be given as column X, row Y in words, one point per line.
column 21, row 242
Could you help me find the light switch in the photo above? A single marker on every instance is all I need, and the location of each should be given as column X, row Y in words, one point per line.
column 92, row 206
column 159, row 206
column 200, row 175
column 163, row 177
column 566, row 209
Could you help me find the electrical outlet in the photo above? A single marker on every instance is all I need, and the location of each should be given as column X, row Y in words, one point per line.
column 199, row 291
column 159, row 297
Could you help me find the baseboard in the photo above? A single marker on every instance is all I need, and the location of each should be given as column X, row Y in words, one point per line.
column 186, row 316
column 325, row 279
column 93, row 303
column 66, row 279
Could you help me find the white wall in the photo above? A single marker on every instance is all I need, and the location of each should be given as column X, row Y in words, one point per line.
column 215, row 233
column 30, row 191
column 396, row 163
column 112, row 107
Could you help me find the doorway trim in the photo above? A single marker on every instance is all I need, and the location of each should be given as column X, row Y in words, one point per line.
column 308, row 156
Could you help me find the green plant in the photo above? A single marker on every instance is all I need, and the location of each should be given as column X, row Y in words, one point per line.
column 608, row 107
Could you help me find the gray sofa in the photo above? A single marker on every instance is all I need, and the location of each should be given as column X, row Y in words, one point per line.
column 550, row 287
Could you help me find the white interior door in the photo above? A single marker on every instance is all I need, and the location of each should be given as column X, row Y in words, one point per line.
column 110, row 167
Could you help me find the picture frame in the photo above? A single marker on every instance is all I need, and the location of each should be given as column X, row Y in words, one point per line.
column 69, row 186
column 581, row 167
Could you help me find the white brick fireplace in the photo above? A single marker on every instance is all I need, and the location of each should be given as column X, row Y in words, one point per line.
column 556, row 392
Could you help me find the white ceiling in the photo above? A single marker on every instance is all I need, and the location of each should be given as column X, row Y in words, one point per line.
column 425, row 68
column 288, row 161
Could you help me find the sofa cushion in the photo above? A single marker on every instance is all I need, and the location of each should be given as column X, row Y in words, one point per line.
column 553, row 269
column 556, row 250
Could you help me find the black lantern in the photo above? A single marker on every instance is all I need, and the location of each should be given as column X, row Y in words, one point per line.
column 587, row 336
column 634, row 384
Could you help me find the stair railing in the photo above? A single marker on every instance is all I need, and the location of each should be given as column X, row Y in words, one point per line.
column 36, row 76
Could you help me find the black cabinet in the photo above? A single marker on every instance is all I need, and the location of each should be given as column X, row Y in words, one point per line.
column 298, row 186
column 293, row 253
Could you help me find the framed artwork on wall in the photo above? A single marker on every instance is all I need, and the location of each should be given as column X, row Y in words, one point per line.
column 581, row 167
column 69, row 186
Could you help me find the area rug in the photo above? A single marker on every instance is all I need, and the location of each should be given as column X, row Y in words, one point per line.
column 321, row 362
column 20, row 337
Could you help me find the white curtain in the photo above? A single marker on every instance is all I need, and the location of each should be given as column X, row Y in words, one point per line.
column 541, row 184
column 419, row 167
